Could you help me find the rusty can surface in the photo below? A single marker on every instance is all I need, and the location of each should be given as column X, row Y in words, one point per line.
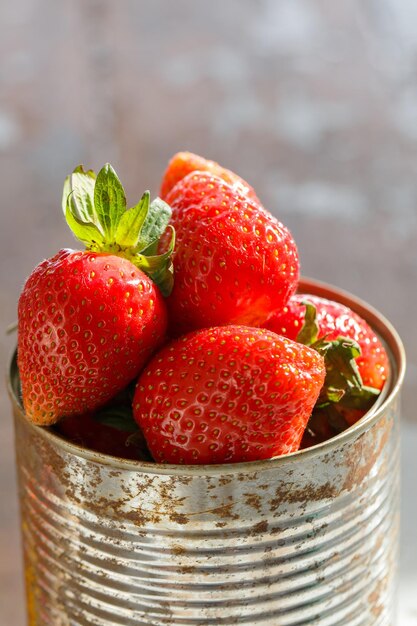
column 301, row 540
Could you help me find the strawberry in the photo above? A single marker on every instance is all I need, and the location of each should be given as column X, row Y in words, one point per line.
column 227, row 394
column 334, row 320
column 89, row 320
column 184, row 163
column 356, row 361
column 111, row 430
column 318, row 429
column 234, row 262
column 84, row 430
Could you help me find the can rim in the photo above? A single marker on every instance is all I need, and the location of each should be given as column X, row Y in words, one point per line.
column 374, row 318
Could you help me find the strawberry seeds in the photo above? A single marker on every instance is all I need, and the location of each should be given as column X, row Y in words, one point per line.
column 179, row 326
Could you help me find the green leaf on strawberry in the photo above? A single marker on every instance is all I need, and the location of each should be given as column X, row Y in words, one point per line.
column 109, row 200
column 343, row 387
column 159, row 267
column 98, row 314
column 343, row 381
column 157, row 218
column 129, row 228
column 96, row 211
column 80, row 185
column 78, row 206
column 310, row 329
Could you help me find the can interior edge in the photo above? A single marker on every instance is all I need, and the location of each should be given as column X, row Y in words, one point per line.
column 377, row 321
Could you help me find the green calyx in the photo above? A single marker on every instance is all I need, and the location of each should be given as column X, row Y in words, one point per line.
column 96, row 211
column 343, row 387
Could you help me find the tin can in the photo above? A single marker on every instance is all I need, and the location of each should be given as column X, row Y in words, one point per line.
column 309, row 538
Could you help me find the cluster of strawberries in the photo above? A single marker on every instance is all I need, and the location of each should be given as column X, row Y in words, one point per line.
column 178, row 331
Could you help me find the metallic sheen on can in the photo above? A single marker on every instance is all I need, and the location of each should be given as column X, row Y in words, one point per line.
column 306, row 539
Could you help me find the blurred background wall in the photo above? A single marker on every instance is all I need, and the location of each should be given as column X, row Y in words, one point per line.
column 314, row 102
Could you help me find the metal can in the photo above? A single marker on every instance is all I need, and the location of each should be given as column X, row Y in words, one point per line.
column 309, row 538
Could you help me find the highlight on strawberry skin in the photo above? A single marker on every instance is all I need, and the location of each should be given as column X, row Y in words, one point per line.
column 335, row 319
column 177, row 334
column 357, row 364
column 227, row 394
column 234, row 262
column 88, row 320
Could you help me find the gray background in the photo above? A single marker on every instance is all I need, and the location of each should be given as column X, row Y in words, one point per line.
column 314, row 102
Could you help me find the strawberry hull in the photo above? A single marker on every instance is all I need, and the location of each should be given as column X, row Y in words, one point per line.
column 306, row 538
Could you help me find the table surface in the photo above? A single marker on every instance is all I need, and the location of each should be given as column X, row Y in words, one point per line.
column 313, row 102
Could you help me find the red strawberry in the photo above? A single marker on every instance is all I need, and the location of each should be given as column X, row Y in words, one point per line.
column 234, row 262
column 111, row 430
column 356, row 361
column 227, row 394
column 88, row 321
column 85, row 431
column 184, row 163
column 334, row 320
column 87, row 324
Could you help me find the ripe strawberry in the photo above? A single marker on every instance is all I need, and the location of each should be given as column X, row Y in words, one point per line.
column 334, row 320
column 334, row 330
column 227, row 394
column 85, row 431
column 88, row 321
column 184, row 163
column 234, row 262
column 111, row 430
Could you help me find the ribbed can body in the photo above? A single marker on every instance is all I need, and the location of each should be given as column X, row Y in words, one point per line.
column 306, row 539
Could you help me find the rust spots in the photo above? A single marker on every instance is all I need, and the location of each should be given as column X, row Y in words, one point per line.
column 115, row 474
column 178, row 550
column 253, row 500
column 260, row 528
column 187, row 569
column 291, row 494
column 257, row 509
column 225, row 480
column 184, row 480
column 366, row 452
column 376, row 597
column 178, row 518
